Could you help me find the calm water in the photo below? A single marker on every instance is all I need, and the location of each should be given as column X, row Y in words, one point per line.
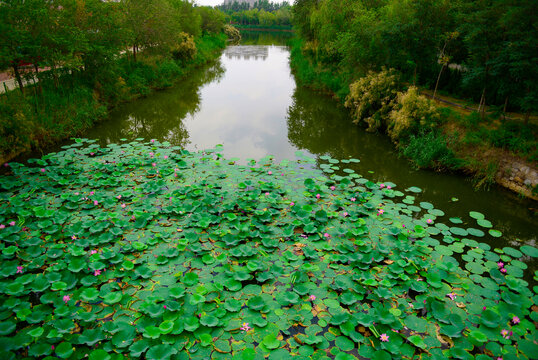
column 249, row 102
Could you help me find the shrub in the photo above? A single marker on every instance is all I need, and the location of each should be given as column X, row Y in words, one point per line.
column 16, row 123
column 413, row 113
column 185, row 48
column 232, row 32
column 372, row 98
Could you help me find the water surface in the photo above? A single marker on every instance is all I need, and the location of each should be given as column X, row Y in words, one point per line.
column 249, row 102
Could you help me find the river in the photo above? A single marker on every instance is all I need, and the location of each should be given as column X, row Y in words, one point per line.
column 249, row 102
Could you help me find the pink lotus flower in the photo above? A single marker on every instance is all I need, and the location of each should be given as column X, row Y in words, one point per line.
column 503, row 270
column 389, row 187
column 153, row 164
column 52, row 347
column 2, row 226
column 318, row 196
column 332, row 187
column 327, row 235
column 19, row 271
column 66, row 299
column 73, row 237
column 92, row 192
column 42, row 170
column 505, row 334
column 266, row 194
column 151, row 154
column 12, row 223
column 429, row 221
column 292, row 203
column 152, row 140
column 452, row 296
column 92, row 154
column 312, row 297
column 500, row 264
column 93, row 252
column 353, row 199
column 380, row 212
column 95, row 202
column 515, row 320
column 165, row 157
column 269, row 173
column 118, row 197
column 384, row 337
column 164, row 307
column 345, row 214
column 381, row 186
column 123, row 206
column 97, row 273
column 245, row 327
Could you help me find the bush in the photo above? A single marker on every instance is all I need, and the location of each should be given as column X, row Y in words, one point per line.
column 17, row 122
column 373, row 97
column 413, row 113
column 232, row 32
column 185, row 48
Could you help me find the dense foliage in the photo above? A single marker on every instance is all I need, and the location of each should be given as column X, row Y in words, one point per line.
column 143, row 250
column 92, row 52
column 262, row 13
column 485, row 50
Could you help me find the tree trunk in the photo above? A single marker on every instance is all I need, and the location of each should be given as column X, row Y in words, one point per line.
column 36, row 67
column 437, row 83
column 18, row 77
column 483, row 104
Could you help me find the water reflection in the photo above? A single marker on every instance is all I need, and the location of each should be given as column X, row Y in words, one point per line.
column 318, row 125
column 246, row 52
column 160, row 116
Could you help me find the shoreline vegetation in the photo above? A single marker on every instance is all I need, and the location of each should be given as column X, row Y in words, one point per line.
column 139, row 47
column 391, row 90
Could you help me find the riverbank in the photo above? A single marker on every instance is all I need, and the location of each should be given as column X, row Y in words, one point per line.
column 59, row 108
column 491, row 150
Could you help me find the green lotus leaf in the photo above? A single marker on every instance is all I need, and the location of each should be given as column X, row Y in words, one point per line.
column 233, row 305
column 271, row 342
column 138, row 348
column 160, row 352
column 64, row 350
column 99, row 354
column 152, row 332
column 89, row 294
column 166, row 326
column 191, row 323
column 112, row 298
column 417, row 341
column 257, row 303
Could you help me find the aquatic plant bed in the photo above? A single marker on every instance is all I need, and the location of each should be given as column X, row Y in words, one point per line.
column 144, row 250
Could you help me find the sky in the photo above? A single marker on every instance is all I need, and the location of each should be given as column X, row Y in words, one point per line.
column 209, row 2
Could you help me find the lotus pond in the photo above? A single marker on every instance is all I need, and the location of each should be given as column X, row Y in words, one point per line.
column 145, row 250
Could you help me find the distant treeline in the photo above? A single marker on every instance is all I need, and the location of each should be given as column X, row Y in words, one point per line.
column 485, row 50
column 98, row 53
column 263, row 13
